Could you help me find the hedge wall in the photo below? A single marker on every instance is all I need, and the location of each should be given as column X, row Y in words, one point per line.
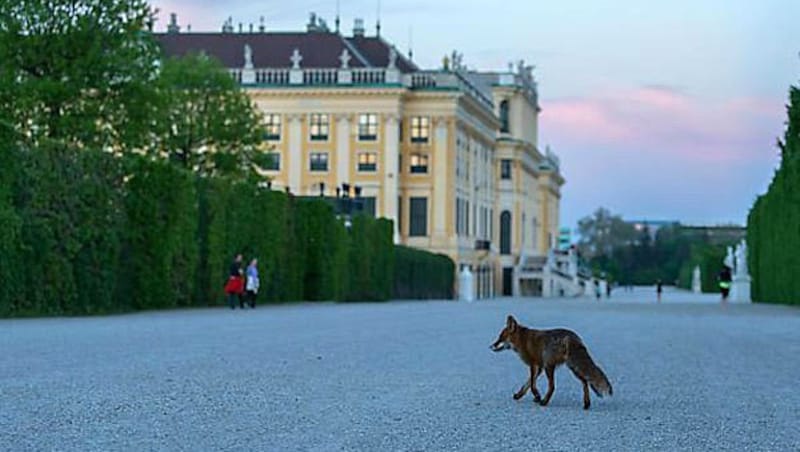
column 773, row 224
column 419, row 274
column 87, row 232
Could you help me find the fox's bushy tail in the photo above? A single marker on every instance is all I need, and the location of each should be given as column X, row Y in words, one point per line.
column 582, row 364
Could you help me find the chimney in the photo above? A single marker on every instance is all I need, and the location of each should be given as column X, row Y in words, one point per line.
column 173, row 24
column 240, row 27
column 251, row 27
column 358, row 28
column 261, row 27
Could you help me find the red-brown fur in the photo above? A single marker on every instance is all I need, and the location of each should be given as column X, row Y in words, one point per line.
column 544, row 350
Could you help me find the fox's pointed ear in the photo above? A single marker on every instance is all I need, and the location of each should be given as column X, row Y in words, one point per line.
column 511, row 322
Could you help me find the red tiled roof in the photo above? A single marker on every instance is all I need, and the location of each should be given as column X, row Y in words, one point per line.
column 274, row 50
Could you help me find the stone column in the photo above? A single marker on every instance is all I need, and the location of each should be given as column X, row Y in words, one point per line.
column 342, row 149
column 440, row 180
column 295, row 163
column 390, row 179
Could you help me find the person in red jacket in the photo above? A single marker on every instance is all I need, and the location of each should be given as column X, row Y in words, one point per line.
column 235, row 285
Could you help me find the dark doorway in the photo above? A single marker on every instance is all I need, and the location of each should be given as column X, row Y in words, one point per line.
column 508, row 281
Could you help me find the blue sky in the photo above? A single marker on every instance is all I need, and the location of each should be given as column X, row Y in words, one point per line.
column 659, row 109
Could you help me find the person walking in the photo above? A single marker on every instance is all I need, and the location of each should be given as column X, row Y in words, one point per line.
column 725, row 279
column 235, row 285
column 253, row 283
column 659, row 289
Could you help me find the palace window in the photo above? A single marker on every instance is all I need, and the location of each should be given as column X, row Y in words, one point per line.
column 367, row 161
column 504, row 116
column 368, row 127
column 319, row 161
column 505, row 169
column 505, row 232
column 319, row 127
column 272, row 127
column 273, row 161
column 419, row 164
column 420, row 129
column 418, row 225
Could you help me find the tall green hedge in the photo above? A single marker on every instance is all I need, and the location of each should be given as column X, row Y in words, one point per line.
column 159, row 247
column 773, row 224
column 69, row 206
column 419, row 274
column 85, row 232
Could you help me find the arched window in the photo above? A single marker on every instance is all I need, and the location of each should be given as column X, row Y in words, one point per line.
column 504, row 116
column 505, row 232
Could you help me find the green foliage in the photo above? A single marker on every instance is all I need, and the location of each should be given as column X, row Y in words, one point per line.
column 419, row 274
column 205, row 123
column 69, row 205
column 773, row 224
column 603, row 232
column 240, row 217
column 159, row 245
column 709, row 257
column 10, row 232
column 370, row 260
column 77, row 72
column 322, row 253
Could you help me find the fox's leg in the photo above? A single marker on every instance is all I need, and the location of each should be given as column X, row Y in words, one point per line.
column 535, row 371
column 521, row 393
column 551, row 384
column 586, row 400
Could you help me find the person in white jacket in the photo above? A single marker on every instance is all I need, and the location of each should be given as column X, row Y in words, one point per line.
column 252, row 284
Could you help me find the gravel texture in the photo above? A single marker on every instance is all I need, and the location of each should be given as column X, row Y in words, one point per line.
column 688, row 374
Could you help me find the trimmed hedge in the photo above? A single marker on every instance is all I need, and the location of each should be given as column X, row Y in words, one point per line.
column 773, row 224
column 88, row 232
column 419, row 274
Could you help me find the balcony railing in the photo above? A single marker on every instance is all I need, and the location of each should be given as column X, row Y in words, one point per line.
column 423, row 80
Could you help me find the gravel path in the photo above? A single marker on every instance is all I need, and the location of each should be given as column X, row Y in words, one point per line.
column 400, row 376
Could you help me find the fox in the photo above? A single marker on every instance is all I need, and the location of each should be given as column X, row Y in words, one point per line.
column 544, row 350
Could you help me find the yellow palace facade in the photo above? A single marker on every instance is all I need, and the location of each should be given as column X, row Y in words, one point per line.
column 449, row 154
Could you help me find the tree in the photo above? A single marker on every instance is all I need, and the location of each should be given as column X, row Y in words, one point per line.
column 76, row 72
column 602, row 232
column 206, row 123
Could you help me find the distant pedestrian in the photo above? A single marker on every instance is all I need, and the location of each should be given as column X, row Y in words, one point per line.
column 597, row 289
column 724, row 279
column 659, row 289
column 608, row 289
column 253, row 283
column 234, row 287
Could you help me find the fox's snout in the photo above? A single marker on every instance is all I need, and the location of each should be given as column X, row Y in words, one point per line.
column 499, row 346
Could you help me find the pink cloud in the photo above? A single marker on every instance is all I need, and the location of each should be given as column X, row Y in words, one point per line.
column 656, row 119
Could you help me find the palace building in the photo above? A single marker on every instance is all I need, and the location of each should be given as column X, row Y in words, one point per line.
column 449, row 154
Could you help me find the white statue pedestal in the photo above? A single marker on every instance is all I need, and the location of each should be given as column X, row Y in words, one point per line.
column 466, row 291
column 697, row 286
column 740, row 289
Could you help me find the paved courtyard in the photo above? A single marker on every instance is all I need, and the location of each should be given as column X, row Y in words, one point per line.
column 688, row 374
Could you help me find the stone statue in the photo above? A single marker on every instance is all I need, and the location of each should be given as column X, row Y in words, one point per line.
column 248, row 57
column 696, row 281
column 741, row 259
column 728, row 261
column 392, row 58
column 345, row 59
column 296, row 58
